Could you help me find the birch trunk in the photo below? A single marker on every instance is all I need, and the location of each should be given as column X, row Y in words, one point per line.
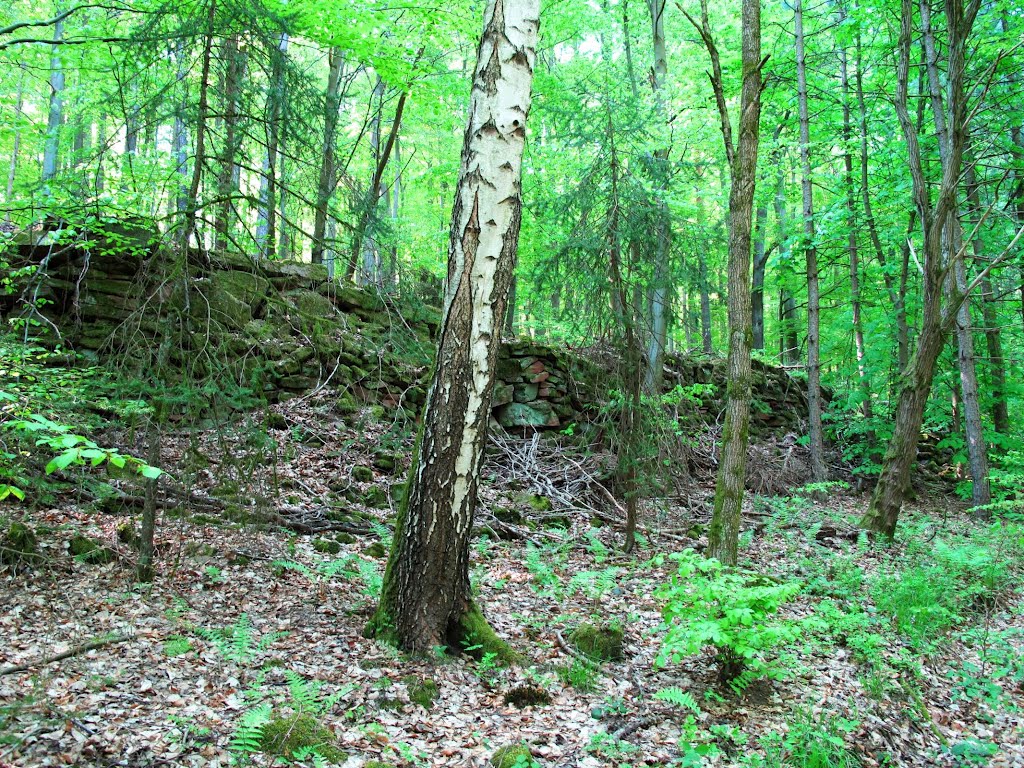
column 426, row 600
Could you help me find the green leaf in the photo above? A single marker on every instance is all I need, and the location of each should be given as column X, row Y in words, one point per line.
column 150, row 472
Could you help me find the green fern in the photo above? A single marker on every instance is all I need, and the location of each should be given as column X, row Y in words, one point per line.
column 679, row 697
column 383, row 533
column 237, row 642
column 247, row 736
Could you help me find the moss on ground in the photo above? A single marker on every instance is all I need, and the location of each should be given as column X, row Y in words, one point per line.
column 513, row 756
column 422, row 691
column 19, row 546
column 326, row 546
column 86, row 550
column 527, row 696
column 602, row 643
column 286, row 735
column 478, row 635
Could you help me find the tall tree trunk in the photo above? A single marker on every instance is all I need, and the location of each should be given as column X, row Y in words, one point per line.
column 819, row 472
column 977, row 451
column 266, row 220
column 179, row 138
column 760, row 262
column 12, row 168
column 990, row 317
column 723, row 534
column 659, row 293
column 328, row 173
column 364, row 226
column 426, row 600
column 897, row 296
column 852, row 245
column 233, row 67
column 188, row 226
column 916, row 380
column 55, row 116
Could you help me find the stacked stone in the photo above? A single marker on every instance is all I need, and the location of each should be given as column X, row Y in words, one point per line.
column 532, row 387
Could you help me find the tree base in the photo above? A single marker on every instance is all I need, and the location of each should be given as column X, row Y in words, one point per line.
column 470, row 634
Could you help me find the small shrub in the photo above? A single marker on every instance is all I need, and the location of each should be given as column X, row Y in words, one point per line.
column 579, row 674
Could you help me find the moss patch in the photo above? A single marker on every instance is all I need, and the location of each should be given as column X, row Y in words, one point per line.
column 362, row 474
column 477, row 634
column 376, row 550
column 19, row 546
column 602, row 643
column 85, row 550
column 422, row 691
column 527, row 696
column 513, row 756
column 326, row 546
column 285, row 736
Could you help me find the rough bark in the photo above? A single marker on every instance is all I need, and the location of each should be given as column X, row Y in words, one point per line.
column 817, row 440
column 426, row 600
column 225, row 173
column 723, row 535
column 934, row 214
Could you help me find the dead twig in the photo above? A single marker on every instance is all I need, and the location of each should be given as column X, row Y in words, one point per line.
column 75, row 651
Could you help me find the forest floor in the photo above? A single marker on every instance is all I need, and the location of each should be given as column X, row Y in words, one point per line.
column 241, row 618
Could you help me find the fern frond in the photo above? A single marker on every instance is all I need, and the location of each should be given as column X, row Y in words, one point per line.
column 679, row 697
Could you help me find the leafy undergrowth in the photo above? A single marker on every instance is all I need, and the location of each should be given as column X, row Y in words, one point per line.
column 823, row 650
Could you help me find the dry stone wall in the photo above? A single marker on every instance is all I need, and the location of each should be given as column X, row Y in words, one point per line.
column 284, row 328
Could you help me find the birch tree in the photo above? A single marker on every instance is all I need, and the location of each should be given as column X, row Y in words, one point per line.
column 426, row 600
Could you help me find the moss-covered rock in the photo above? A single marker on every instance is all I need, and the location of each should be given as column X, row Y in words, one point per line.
column 422, row 691
column 345, row 538
column 513, row 756
column 19, row 546
column 385, row 462
column 86, row 550
column 601, row 643
column 362, row 473
column 286, row 735
column 326, row 546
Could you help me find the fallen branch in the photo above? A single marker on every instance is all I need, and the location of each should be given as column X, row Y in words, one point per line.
column 75, row 651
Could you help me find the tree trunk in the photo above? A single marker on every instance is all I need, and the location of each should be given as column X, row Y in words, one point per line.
column 12, row 170
column 179, row 138
column 266, row 223
column 852, row 245
column 426, row 601
column 328, row 173
column 897, row 297
column 935, row 215
column 723, row 534
column 760, row 262
column 659, row 293
column 233, row 67
column 55, row 116
column 819, row 472
column 990, row 317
